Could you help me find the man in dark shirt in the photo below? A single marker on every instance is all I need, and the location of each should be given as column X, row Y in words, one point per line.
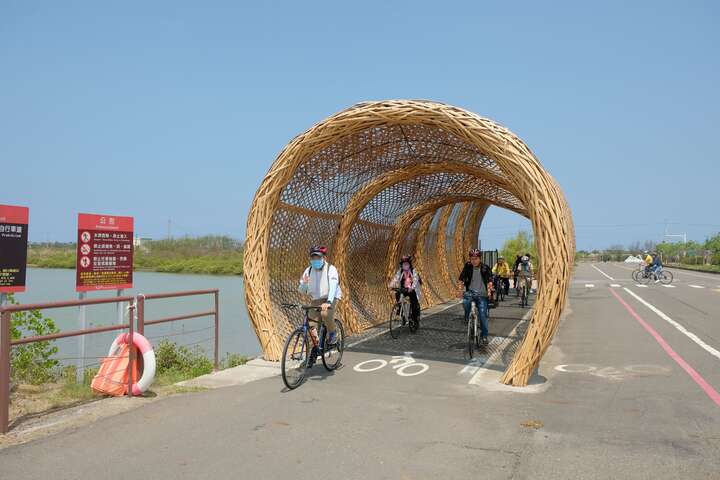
column 474, row 279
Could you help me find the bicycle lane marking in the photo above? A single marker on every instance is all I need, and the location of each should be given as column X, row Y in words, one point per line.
column 362, row 369
column 404, row 365
column 699, row 380
column 712, row 351
column 605, row 274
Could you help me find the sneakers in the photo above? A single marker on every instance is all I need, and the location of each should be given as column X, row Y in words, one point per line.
column 332, row 338
column 485, row 341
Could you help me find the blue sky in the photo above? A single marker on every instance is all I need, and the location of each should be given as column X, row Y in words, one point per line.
column 176, row 109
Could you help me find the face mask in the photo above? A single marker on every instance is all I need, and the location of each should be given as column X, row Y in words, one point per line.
column 406, row 266
column 317, row 263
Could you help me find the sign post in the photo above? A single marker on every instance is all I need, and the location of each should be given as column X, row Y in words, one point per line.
column 104, row 262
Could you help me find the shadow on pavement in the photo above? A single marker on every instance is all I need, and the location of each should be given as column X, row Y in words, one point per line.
column 443, row 336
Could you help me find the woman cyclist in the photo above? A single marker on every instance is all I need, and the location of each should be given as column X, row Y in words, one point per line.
column 408, row 280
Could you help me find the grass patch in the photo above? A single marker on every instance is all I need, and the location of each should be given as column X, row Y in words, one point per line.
column 175, row 363
column 233, row 360
column 699, row 268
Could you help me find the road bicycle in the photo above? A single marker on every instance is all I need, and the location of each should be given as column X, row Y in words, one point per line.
column 639, row 272
column 401, row 314
column 524, row 290
column 297, row 359
column 663, row 276
column 498, row 290
column 473, row 338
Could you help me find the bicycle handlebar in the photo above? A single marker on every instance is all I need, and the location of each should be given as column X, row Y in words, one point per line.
column 290, row 306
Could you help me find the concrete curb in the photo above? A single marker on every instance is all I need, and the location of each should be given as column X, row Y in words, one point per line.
column 256, row 369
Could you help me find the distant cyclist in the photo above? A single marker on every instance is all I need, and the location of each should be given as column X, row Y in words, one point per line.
column 502, row 270
column 514, row 269
column 322, row 282
column 648, row 261
column 525, row 272
column 408, row 280
column 656, row 266
column 474, row 280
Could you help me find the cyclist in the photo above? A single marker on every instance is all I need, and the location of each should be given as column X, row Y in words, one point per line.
column 322, row 282
column 530, row 289
column 656, row 266
column 515, row 276
column 407, row 279
column 524, row 272
column 502, row 271
column 648, row 261
column 473, row 286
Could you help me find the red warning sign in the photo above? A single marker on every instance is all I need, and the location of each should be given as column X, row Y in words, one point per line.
column 104, row 252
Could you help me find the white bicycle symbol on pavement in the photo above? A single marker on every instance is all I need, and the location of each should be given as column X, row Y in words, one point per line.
column 404, row 365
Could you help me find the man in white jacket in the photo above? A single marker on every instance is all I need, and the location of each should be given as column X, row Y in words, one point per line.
column 322, row 282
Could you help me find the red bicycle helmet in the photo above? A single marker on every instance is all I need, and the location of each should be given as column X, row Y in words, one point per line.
column 318, row 250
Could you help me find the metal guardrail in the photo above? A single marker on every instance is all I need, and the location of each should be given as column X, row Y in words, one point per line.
column 136, row 309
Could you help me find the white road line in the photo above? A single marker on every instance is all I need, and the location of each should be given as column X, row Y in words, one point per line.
column 614, row 285
column 675, row 324
column 669, row 286
column 589, row 285
column 696, row 286
column 640, row 286
column 606, row 275
column 494, row 358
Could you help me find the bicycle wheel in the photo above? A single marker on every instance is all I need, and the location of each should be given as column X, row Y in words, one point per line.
column 476, row 320
column 471, row 334
column 294, row 360
column 646, row 278
column 666, row 277
column 635, row 275
column 412, row 323
column 394, row 322
column 333, row 354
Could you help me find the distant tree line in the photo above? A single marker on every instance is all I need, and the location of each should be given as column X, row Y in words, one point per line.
column 684, row 253
column 211, row 254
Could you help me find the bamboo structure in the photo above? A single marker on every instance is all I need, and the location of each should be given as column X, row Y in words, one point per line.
column 382, row 179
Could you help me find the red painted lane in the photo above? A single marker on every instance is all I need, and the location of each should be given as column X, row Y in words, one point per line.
column 707, row 388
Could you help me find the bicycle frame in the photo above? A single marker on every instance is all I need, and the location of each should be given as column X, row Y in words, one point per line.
column 404, row 302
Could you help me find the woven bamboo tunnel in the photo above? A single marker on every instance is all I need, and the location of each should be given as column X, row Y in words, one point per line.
column 384, row 179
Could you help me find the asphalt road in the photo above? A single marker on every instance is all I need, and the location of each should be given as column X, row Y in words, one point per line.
column 627, row 390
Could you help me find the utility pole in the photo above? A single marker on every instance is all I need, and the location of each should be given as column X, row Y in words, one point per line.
column 168, row 234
